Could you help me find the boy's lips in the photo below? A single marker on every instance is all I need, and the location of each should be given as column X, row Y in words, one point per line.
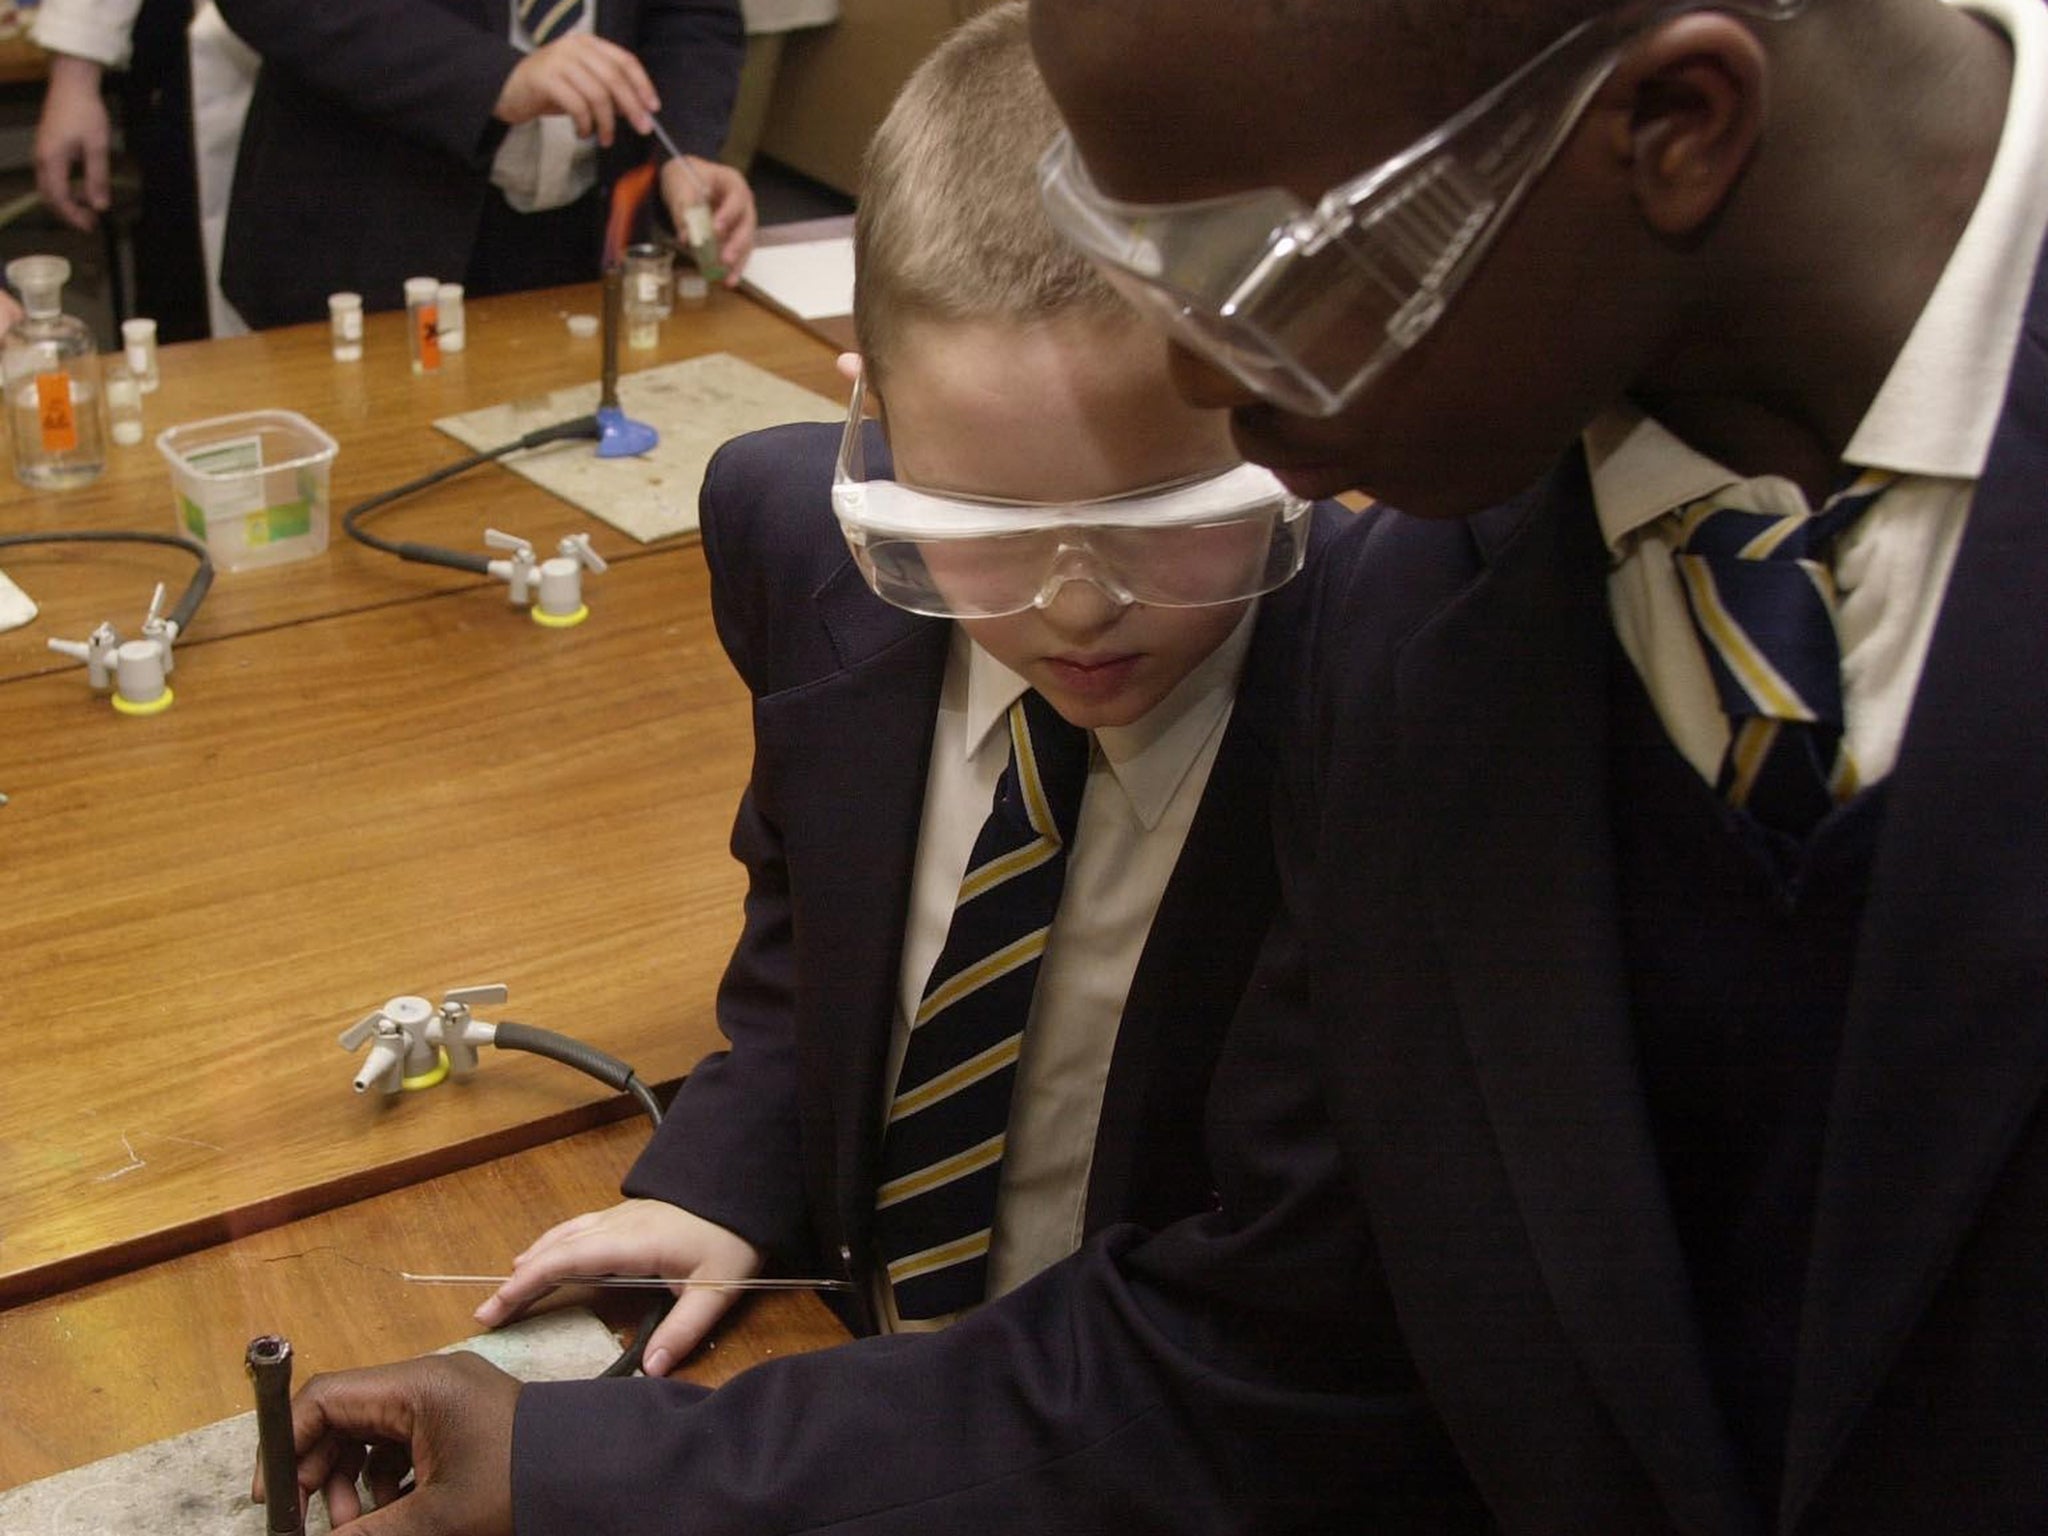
column 1092, row 676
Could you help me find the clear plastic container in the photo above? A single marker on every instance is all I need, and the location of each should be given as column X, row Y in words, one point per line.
column 51, row 369
column 251, row 487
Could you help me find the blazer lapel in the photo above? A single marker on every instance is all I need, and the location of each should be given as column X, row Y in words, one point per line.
column 864, row 737
column 1505, row 718
column 1946, row 1048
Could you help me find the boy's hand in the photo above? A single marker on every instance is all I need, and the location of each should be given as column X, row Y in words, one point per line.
column 447, row 1419
column 71, row 140
column 583, row 77
column 635, row 1237
column 731, row 200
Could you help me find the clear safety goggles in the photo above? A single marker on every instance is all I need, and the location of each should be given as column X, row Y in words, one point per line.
column 1306, row 305
column 1212, row 539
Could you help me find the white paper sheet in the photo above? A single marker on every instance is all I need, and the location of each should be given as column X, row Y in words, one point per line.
column 695, row 405
column 811, row 279
column 16, row 606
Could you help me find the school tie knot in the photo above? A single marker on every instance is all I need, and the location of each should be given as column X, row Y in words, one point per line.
column 1040, row 790
column 944, row 1140
column 1762, row 597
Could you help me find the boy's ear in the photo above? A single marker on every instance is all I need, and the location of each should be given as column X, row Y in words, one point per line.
column 1694, row 91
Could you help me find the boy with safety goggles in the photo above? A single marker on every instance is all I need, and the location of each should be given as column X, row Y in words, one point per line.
column 1097, row 547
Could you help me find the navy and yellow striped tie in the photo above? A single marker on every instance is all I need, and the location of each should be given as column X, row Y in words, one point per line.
column 1762, row 598
column 547, row 21
column 942, row 1148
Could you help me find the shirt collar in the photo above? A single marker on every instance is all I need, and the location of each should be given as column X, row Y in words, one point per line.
column 1640, row 471
column 1939, row 405
column 1152, row 755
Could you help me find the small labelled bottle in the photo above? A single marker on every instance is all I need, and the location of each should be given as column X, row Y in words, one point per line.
column 124, row 402
column 345, row 326
column 50, row 369
column 448, row 301
column 138, row 339
column 423, row 323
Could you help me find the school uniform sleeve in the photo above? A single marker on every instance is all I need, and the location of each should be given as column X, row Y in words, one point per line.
column 727, row 1149
column 419, row 68
column 99, row 30
column 693, row 50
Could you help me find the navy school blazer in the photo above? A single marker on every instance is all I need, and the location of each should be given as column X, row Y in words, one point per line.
column 777, row 1138
column 1444, row 1291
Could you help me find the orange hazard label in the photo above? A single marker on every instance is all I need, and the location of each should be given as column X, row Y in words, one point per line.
column 430, row 336
column 53, row 408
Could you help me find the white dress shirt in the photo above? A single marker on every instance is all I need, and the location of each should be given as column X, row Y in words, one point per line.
column 1144, row 786
column 1931, row 422
column 544, row 163
column 99, row 30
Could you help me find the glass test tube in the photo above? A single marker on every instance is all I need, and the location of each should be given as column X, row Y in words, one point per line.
column 649, row 278
column 703, row 237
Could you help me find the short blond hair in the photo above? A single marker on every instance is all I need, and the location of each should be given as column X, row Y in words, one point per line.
column 950, row 227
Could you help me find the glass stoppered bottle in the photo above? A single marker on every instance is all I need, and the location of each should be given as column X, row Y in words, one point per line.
column 50, row 366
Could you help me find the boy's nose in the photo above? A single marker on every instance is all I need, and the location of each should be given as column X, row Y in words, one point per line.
column 1079, row 600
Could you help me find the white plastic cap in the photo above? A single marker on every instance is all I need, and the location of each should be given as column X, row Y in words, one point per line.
column 422, row 290
column 40, row 281
column 449, row 293
column 138, row 332
column 343, row 303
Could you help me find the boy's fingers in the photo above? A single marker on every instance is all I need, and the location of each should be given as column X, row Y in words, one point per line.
column 684, row 1328
column 559, row 1231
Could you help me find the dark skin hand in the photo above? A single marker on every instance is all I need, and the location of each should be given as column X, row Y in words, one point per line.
column 446, row 1419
